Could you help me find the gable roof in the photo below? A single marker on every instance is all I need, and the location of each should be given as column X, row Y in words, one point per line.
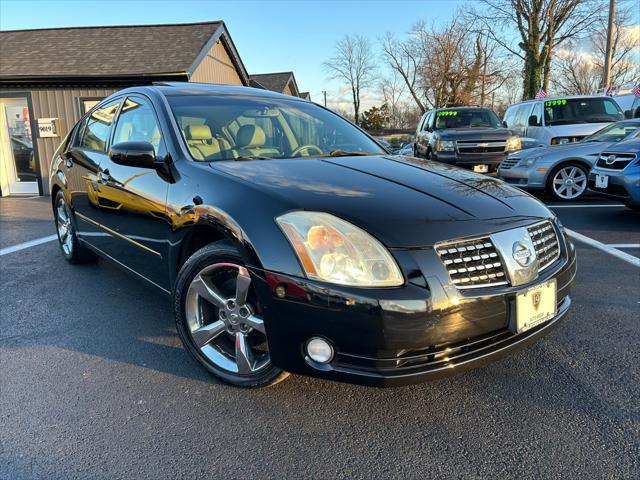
column 156, row 51
column 275, row 82
column 305, row 95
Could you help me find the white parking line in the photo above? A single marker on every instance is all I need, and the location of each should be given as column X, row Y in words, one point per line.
column 635, row 261
column 30, row 243
column 624, row 245
column 608, row 205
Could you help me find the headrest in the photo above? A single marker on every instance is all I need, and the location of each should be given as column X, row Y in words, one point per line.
column 250, row 136
column 198, row 132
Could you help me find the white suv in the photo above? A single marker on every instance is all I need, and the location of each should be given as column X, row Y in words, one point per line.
column 558, row 120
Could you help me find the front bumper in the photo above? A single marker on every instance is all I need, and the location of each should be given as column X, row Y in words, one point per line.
column 390, row 337
column 527, row 178
column 492, row 160
column 622, row 187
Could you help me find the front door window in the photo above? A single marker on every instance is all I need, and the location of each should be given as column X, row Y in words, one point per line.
column 19, row 173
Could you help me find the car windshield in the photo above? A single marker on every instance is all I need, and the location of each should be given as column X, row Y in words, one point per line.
column 466, row 118
column 567, row 111
column 217, row 128
column 614, row 132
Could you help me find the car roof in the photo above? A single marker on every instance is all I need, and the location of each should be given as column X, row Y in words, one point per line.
column 463, row 107
column 558, row 97
column 194, row 88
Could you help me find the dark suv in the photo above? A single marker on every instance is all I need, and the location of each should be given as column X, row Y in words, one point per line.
column 470, row 137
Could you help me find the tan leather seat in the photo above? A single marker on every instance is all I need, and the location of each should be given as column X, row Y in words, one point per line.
column 250, row 139
column 203, row 146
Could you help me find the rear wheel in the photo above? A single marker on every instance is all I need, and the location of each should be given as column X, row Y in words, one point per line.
column 568, row 182
column 71, row 248
column 218, row 317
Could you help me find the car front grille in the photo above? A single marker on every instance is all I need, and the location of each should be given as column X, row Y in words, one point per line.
column 545, row 241
column 473, row 263
column 479, row 146
column 509, row 163
column 618, row 161
column 476, row 263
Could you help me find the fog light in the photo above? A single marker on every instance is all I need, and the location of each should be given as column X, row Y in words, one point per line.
column 319, row 350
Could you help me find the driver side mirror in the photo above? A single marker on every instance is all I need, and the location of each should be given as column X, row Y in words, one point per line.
column 133, row 154
column 628, row 114
column 533, row 121
column 504, row 124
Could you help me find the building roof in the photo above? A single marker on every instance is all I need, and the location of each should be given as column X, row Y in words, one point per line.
column 305, row 95
column 276, row 82
column 110, row 52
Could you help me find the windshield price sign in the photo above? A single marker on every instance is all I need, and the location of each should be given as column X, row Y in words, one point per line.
column 553, row 103
column 447, row 113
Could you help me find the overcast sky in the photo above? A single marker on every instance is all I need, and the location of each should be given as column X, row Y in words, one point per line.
column 271, row 36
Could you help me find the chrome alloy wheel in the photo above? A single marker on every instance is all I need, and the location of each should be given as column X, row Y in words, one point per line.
column 569, row 182
column 223, row 322
column 64, row 226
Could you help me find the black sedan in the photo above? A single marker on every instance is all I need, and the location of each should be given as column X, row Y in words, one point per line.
column 291, row 242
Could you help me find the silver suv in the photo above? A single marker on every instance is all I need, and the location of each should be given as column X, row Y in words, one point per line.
column 558, row 120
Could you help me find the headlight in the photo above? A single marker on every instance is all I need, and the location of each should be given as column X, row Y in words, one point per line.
column 527, row 162
column 560, row 140
column 335, row 251
column 513, row 144
column 446, row 145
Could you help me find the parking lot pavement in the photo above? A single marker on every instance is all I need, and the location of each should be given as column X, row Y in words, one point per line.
column 95, row 384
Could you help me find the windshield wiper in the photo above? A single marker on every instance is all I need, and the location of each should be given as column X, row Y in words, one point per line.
column 251, row 157
column 346, row 153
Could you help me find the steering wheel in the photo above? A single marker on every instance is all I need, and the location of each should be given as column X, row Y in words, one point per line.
column 303, row 148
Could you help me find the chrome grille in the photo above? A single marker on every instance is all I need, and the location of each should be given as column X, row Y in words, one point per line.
column 618, row 161
column 480, row 146
column 508, row 163
column 545, row 241
column 472, row 263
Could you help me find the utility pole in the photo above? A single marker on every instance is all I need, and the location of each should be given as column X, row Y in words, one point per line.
column 609, row 52
column 324, row 92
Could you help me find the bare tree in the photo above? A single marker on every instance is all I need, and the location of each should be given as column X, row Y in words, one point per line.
column 541, row 26
column 392, row 90
column 406, row 58
column 580, row 71
column 353, row 63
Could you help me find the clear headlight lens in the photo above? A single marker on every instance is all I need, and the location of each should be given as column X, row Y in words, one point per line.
column 513, row 144
column 446, row 145
column 527, row 162
column 560, row 140
column 335, row 251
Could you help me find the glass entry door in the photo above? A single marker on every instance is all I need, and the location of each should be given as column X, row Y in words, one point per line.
column 18, row 171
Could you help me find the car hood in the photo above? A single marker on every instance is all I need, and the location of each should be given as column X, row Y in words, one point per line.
column 403, row 201
column 564, row 151
column 476, row 134
column 576, row 130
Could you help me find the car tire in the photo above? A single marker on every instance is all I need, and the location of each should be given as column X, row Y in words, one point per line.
column 568, row 182
column 211, row 324
column 72, row 250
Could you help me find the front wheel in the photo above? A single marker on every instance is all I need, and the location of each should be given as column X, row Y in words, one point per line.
column 568, row 182
column 71, row 248
column 219, row 318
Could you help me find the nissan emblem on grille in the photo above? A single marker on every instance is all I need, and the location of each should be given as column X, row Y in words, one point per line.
column 522, row 254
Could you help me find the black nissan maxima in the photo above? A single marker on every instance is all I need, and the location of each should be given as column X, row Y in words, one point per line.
column 290, row 241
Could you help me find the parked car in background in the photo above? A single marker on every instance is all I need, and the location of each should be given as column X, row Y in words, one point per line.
column 24, row 159
column 306, row 250
column 616, row 174
column 558, row 120
column 562, row 170
column 629, row 103
column 407, row 149
column 470, row 137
